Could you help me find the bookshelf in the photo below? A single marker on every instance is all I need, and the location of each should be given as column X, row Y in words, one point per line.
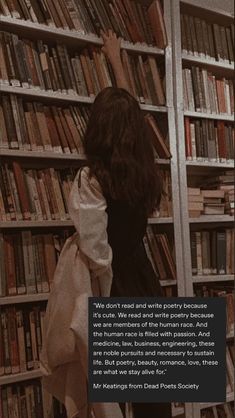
column 180, row 223
column 186, row 168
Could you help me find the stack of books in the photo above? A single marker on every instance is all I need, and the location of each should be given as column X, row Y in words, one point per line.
column 29, row 261
column 212, row 251
column 195, row 202
column 132, row 20
column 213, row 202
column 207, row 40
column 225, row 184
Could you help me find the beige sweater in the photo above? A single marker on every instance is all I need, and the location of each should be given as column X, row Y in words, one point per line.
column 83, row 270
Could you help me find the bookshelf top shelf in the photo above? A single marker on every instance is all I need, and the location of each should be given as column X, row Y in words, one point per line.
column 207, row 62
column 71, row 37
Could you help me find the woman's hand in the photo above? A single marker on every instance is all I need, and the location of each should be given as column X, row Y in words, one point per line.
column 112, row 46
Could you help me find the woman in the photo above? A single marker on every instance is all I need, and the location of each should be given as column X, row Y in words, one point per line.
column 110, row 201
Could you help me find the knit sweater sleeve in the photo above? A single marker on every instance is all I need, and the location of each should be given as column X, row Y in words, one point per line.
column 87, row 208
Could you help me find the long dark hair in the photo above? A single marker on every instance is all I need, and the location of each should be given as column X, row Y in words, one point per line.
column 119, row 150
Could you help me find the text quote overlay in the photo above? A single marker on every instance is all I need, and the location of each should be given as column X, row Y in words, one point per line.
column 157, row 349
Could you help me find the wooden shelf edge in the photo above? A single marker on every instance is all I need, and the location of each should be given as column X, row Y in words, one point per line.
column 74, row 98
column 212, row 278
column 209, row 164
column 81, row 37
column 26, row 298
column 41, row 155
column 229, row 118
column 207, row 61
column 212, row 218
column 19, row 377
column 34, row 224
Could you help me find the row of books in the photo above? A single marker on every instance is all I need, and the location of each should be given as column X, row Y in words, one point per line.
column 212, row 251
column 43, row 194
column 225, row 410
column 34, row 194
column 21, row 334
column 210, row 202
column 27, row 400
column 28, row 261
column 207, row 40
column 220, row 290
column 134, row 21
column 207, row 93
column 209, row 140
column 160, row 250
column 35, row 126
column 25, row 63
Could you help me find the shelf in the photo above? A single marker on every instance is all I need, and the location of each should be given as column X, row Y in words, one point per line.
column 31, row 29
column 210, row 164
column 35, row 224
column 58, row 223
column 229, row 118
column 41, row 155
column 207, row 61
column 160, row 220
column 212, row 278
column 26, row 298
column 229, row 398
column 65, row 97
column 15, row 153
column 212, row 218
column 169, row 282
column 19, row 377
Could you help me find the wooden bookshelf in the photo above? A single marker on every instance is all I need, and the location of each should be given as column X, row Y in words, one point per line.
column 229, row 398
column 203, row 10
column 180, row 223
